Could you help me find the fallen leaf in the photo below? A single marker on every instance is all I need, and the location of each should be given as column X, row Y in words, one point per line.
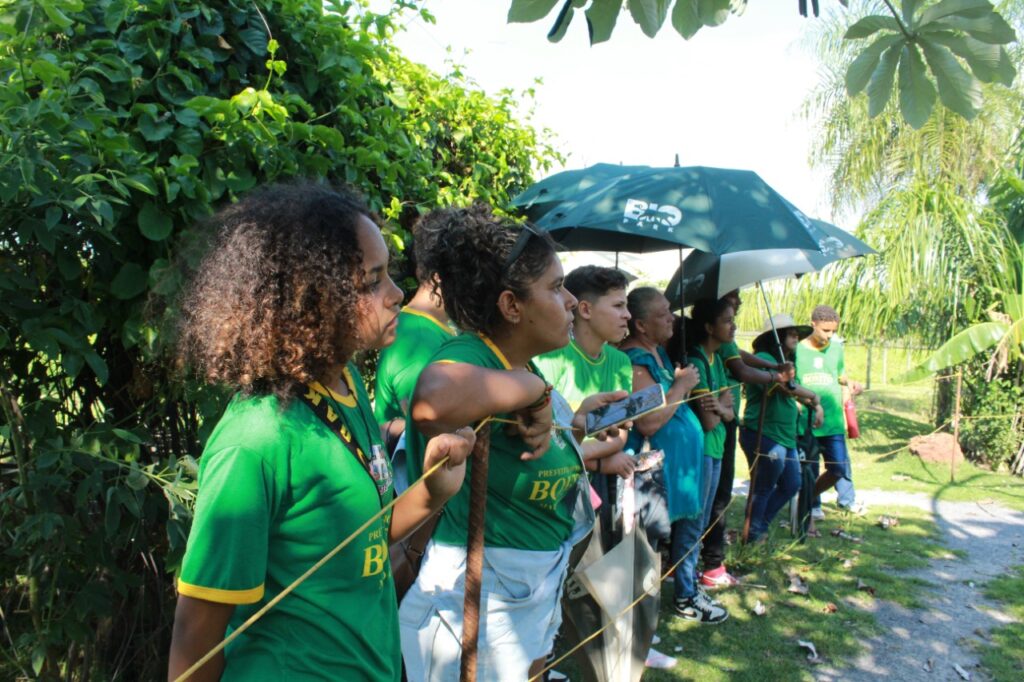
column 961, row 672
column 855, row 552
column 830, row 608
column 887, row 522
column 843, row 535
column 797, row 585
column 864, row 587
column 847, row 564
column 812, row 656
column 677, row 649
column 760, row 609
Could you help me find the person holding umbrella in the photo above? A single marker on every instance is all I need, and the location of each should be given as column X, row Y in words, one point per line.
column 770, row 428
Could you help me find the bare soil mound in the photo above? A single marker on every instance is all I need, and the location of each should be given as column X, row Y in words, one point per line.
column 936, row 447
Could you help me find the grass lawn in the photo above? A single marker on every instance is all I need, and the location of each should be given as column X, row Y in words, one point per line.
column 1004, row 656
column 889, row 417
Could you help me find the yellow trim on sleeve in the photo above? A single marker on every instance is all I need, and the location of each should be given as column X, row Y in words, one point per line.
column 497, row 351
column 425, row 316
column 444, row 362
column 250, row 596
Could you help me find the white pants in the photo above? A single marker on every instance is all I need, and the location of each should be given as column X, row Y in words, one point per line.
column 520, row 613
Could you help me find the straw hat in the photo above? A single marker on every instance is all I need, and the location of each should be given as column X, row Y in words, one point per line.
column 782, row 321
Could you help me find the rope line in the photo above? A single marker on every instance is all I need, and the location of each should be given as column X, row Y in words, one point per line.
column 649, row 592
column 302, row 578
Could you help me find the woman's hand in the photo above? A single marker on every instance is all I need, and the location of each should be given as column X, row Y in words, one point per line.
column 620, row 464
column 819, row 416
column 534, row 427
column 786, row 372
column 447, row 480
column 686, row 378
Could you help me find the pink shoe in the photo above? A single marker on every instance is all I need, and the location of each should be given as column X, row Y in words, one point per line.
column 718, row 578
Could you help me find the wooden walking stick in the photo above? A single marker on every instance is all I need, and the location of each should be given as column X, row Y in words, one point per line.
column 474, row 554
column 753, row 467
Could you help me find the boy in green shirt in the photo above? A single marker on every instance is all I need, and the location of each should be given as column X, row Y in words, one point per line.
column 820, row 367
column 590, row 364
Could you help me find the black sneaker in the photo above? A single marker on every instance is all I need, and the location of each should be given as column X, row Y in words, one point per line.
column 701, row 609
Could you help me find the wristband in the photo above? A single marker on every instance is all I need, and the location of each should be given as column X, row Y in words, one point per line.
column 543, row 401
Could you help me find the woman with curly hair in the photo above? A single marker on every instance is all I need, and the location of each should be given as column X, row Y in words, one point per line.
column 503, row 287
column 295, row 283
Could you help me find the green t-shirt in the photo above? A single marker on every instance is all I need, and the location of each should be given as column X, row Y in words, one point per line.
column 416, row 340
column 576, row 375
column 714, row 440
column 277, row 491
column 727, row 352
column 527, row 505
column 780, row 411
column 819, row 370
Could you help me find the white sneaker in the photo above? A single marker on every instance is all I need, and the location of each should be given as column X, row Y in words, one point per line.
column 857, row 509
column 656, row 659
column 817, row 513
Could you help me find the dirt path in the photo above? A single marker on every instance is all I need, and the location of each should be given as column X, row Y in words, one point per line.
column 956, row 615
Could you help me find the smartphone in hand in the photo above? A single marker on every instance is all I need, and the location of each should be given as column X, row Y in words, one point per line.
column 628, row 409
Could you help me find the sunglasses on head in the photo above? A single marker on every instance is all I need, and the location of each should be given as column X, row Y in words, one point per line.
column 520, row 246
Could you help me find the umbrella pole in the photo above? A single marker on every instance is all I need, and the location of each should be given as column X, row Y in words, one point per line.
column 775, row 332
column 474, row 556
column 682, row 312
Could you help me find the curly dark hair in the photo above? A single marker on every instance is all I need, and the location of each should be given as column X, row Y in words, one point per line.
column 272, row 304
column 468, row 256
column 706, row 311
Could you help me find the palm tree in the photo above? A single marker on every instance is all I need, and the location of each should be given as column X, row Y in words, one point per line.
column 946, row 254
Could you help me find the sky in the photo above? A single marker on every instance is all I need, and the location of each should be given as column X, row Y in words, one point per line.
column 729, row 97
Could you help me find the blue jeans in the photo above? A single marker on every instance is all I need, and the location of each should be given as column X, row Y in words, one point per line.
column 837, row 462
column 709, row 485
column 686, row 533
column 776, row 479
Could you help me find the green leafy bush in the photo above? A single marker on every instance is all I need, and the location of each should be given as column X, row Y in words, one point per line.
column 123, row 124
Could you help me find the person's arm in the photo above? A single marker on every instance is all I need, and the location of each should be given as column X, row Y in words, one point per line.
column 750, row 369
column 685, row 380
column 199, row 625
column 450, row 395
column 422, row 501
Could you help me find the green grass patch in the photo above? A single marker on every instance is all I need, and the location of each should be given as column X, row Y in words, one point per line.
column 889, row 418
column 1003, row 656
column 849, row 576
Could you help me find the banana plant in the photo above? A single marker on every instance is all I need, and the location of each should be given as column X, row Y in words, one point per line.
column 1002, row 336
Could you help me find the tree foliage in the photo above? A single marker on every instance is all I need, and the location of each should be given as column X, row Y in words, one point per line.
column 123, row 124
column 947, row 47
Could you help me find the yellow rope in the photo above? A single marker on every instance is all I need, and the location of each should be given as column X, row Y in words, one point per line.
column 302, row 578
column 646, row 593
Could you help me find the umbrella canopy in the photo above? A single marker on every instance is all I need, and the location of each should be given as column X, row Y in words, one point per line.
column 711, row 209
column 542, row 196
column 705, row 275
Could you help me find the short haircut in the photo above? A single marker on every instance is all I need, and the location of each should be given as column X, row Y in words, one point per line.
column 591, row 282
column 639, row 304
column 425, row 233
column 824, row 313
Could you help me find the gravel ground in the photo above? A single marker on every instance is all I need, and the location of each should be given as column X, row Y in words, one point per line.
column 926, row 644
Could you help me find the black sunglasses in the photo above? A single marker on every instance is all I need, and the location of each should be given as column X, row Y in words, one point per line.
column 520, row 246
